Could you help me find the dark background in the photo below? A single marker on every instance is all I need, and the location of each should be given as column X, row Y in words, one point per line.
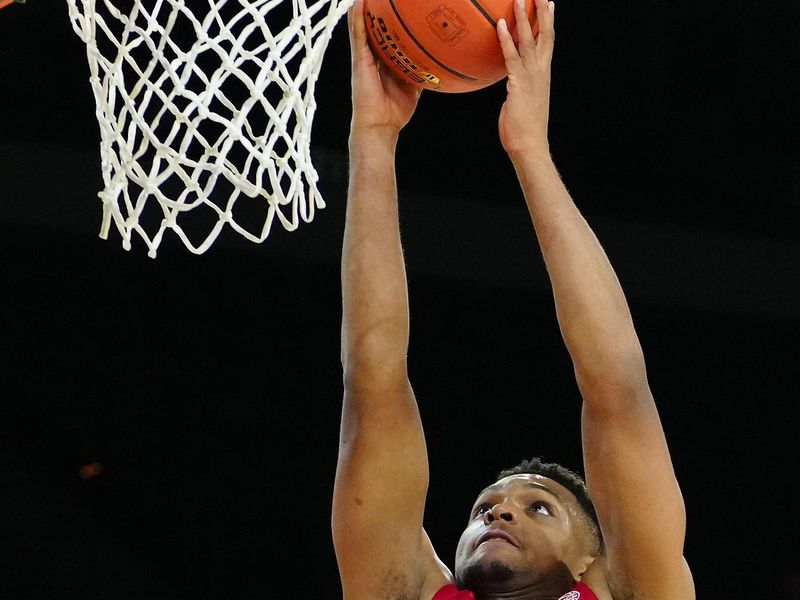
column 209, row 386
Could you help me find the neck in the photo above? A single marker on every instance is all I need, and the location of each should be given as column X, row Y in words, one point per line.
column 520, row 586
column 537, row 592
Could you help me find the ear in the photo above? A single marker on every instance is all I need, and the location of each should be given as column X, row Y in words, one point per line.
column 585, row 555
column 581, row 564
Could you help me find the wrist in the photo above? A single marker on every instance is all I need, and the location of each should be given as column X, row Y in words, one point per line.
column 529, row 156
column 366, row 142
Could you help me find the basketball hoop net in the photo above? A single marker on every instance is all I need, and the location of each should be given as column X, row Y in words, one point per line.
column 216, row 98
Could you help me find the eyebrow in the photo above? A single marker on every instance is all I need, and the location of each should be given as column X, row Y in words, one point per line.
column 531, row 484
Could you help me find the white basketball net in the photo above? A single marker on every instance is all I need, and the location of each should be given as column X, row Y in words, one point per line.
column 215, row 96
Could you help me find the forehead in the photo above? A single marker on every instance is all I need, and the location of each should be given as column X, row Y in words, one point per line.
column 528, row 481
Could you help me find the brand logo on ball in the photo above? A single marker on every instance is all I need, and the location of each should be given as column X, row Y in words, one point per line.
column 447, row 25
column 388, row 45
column 571, row 596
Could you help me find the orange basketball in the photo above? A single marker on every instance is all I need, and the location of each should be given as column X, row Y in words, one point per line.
column 445, row 47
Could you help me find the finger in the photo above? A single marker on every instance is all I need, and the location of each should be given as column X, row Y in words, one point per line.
column 395, row 82
column 545, row 18
column 356, row 27
column 509, row 49
column 523, row 25
column 350, row 14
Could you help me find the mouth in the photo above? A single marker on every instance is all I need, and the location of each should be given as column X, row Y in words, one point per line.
column 497, row 536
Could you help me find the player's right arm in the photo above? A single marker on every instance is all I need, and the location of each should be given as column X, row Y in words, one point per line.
column 382, row 472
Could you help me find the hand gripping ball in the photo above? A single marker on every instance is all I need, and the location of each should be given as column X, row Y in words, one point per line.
column 448, row 46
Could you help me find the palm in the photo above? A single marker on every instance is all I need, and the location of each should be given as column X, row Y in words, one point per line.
column 383, row 100
column 524, row 115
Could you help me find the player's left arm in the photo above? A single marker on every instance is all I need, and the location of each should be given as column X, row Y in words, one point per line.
column 627, row 462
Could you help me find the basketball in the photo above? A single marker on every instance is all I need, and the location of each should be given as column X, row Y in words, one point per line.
column 449, row 47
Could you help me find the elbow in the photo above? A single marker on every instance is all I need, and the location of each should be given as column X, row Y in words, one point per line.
column 373, row 372
column 377, row 358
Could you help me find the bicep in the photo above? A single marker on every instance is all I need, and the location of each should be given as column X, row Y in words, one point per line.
column 379, row 492
column 639, row 503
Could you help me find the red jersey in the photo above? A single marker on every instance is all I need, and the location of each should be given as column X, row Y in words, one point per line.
column 450, row 592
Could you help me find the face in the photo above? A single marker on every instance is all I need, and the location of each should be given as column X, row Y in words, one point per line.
column 525, row 530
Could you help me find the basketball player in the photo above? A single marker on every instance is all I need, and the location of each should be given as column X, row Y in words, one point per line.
column 534, row 534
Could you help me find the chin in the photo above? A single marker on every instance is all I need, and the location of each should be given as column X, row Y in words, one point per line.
column 484, row 576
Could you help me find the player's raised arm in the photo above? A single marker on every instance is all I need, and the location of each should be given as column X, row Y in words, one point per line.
column 628, row 467
column 382, row 473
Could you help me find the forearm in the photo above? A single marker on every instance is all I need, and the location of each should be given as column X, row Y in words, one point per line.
column 374, row 296
column 592, row 311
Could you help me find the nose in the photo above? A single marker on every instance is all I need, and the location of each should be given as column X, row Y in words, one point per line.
column 498, row 511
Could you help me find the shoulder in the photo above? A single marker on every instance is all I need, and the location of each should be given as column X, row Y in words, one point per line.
column 598, row 583
column 417, row 575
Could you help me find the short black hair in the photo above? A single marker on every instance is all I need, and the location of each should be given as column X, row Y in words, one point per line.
column 566, row 477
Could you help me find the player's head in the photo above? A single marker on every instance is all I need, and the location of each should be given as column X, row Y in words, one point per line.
column 535, row 526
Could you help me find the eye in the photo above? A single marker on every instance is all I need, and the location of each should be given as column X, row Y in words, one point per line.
column 481, row 509
column 541, row 507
